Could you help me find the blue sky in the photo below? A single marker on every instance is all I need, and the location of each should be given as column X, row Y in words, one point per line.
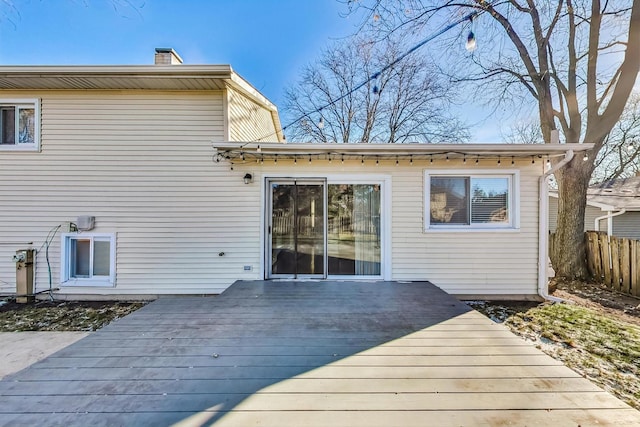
column 265, row 41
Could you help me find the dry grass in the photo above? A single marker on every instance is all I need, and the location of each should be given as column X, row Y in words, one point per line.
column 596, row 333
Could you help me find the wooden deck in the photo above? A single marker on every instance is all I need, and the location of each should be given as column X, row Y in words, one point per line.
column 306, row 354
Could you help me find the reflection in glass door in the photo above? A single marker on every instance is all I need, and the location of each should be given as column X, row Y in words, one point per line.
column 297, row 229
column 354, row 229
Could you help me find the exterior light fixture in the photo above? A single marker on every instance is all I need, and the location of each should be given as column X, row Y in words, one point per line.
column 248, row 178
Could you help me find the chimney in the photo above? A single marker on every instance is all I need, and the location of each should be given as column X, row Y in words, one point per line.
column 167, row 56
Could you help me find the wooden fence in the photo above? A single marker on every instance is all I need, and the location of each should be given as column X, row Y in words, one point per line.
column 615, row 261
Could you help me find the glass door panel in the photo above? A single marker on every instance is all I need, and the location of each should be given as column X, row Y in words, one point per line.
column 353, row 243
column 297, row 229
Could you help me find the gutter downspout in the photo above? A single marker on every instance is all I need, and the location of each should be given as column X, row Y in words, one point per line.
column 609, row 217
column 543, row 228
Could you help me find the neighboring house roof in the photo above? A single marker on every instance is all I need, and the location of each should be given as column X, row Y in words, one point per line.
column 613, row 195
column 623, row 193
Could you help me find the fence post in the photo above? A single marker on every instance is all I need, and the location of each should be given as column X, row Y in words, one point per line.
column 605, row 258
column 614, row 247
column 635, row 267
column 625, row 265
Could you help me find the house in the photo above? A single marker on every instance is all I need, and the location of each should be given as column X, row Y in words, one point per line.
column 612, row 206
column 139, row 181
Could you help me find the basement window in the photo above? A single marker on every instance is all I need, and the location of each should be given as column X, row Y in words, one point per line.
column 19, row 124
column 88, row 259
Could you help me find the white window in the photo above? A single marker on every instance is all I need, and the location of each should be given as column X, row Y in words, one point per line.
column 88, row 259
column 456, row 199
column 19, row 124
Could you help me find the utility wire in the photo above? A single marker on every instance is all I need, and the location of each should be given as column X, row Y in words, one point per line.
column 468, row 17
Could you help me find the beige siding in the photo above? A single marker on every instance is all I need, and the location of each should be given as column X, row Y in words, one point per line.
column 590, row 215
column 465, row 262
column 627, row 225
column 141, row 163
column 249, row 121
column 462, row 262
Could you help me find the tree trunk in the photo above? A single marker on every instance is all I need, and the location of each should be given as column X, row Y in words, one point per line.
column 569, row 257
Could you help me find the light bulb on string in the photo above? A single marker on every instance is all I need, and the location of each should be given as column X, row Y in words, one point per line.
column 471, row 45
column 376, row 88
column 411, row 159
column 321, row 123
column 464, row 159
column 397, row 161
column 533, row 160
column 512, row 161
column 309, row 158
column 498, row 160
column 477, row 159
column 586, row 157
column 630, row 146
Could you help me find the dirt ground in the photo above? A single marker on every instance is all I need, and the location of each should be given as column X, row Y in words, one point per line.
column 596, row 333
column 61, row 315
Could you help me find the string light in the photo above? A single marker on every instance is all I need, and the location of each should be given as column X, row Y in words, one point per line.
column 586, row 157
column 477, row 158
column 261, row 160
column 329, row 157
column 321, row 123
column 630, row 146
column 548, row 163
column 275, row 159
column 411, row 159
column 342, row 159
column 464, row 159
column 498, row 160
column 259, row 150
column 533, row 160
column 471, row 38
column 295, row 160
column 430, row 158
column 377, row 161
column 447, row 157
column 512, row 161
column 362, row 161
column 309, row 158
column 397, row 161
column 376, row 88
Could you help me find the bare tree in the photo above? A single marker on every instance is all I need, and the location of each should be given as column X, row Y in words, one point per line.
column 576, row 60
column 405, row 103
column 620, row 154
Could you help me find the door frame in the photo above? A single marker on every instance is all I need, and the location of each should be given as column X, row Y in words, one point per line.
column 268, row 225
column 385, row 182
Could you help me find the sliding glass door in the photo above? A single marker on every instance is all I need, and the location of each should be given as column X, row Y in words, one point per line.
column 297, row 229
column 318, row 229
column 354, row 229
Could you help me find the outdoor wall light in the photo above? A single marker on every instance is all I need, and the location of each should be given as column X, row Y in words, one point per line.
column 248, row 178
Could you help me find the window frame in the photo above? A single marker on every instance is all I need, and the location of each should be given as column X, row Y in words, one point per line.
column 66, row 278
column 513, row 199
column 23, row 103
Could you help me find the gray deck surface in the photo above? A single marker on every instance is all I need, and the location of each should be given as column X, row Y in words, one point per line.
column 306, row 354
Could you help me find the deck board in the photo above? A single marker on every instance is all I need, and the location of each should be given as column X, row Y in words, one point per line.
column 306, row 354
